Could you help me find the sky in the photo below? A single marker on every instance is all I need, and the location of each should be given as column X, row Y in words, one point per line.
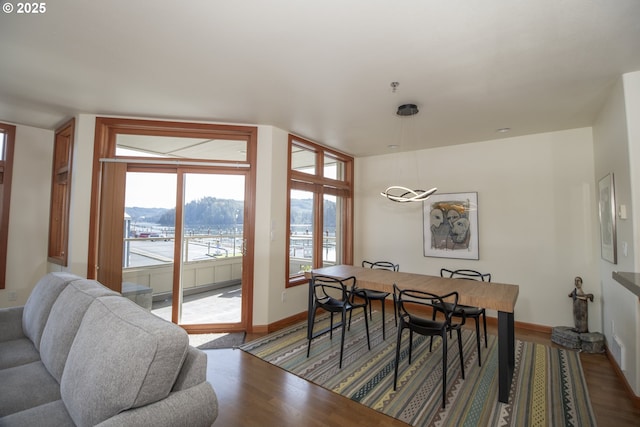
column 158, row 190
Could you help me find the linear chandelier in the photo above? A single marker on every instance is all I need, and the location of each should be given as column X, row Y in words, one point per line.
column 398, row 193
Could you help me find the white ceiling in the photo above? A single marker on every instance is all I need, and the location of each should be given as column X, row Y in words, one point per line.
column 322, row 69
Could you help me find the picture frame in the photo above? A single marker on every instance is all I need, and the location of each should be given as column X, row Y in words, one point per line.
column 451, row 226
column 607, row 214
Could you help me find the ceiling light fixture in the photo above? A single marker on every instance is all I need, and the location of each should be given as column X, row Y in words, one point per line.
column 397, row 193
column 407, row 110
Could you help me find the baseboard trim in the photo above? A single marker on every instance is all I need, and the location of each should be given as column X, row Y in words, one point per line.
column 632, row 395
column 493, row 321
column 280, row 324
column 259, row 329
column 291, row 320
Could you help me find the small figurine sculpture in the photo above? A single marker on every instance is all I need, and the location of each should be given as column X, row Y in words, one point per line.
column 580, row 316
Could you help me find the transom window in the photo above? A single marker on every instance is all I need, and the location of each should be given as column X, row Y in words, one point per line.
column 180, row 147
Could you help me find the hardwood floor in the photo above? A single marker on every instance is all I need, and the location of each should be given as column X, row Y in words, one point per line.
column 252, row 392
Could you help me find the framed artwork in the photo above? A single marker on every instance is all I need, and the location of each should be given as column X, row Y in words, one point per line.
column 451, row 226
column 607, row 211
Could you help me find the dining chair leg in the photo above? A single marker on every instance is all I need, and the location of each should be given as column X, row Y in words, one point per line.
column 383, row 320
column 366, row 327
column 367, row 302
column 344, row 319
column 444, row 368
column 395, row 310
column 398, row 342
column 331, row 327
column 478, row 340
column 484, row 324
column 460, row 352
column 434, row 314
column 410, row 344
column 313, row 319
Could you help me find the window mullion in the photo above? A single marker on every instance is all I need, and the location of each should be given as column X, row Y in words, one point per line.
column 318, row 226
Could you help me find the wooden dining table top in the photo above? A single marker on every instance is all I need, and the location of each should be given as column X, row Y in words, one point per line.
column 489, row 295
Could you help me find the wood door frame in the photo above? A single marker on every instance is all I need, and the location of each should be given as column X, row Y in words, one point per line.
column 6, row 174
column 106, row 130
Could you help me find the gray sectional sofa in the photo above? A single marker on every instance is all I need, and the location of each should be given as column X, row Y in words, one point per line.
column 79, row 354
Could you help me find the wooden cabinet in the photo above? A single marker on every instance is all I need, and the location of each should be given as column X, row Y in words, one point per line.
column 61, row 193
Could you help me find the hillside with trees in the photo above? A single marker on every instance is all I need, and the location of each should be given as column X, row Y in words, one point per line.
column 223, row 213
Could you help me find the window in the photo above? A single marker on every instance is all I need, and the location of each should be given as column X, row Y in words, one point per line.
column 319, row 210
column 173, row 209
column 7, row 140
column 61, row 194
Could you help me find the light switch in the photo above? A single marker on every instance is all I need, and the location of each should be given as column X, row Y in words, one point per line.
column 622, row 211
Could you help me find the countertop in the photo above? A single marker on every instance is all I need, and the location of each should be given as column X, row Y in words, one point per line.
column 629, row 280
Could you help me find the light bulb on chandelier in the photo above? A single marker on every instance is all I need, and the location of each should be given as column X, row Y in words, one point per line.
column 397, row 193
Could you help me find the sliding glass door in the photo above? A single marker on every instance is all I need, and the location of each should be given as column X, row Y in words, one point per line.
column 173, row 219
column 186, row 262
column 213, row 248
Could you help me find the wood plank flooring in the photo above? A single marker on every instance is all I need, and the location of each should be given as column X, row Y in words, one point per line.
column 252, row 392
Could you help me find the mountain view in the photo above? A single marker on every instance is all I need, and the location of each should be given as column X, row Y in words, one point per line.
column 224, row 213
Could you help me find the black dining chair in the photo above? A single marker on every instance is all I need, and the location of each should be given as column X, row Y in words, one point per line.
column 335, row 296
column 410, row 308
column 470, row 311
column 370, row 295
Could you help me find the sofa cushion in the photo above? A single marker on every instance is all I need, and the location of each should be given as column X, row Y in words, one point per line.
column 48, row 414
column 64, row 320
column 11, row 323
column 39, row 303
column 122, row 357
column 194, row 370
column 17, row 352
column 15, row 348
column 193, row 407
column 26, row 386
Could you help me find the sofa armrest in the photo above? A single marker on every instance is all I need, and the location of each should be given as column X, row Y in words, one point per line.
column 194, row 369
column 11, row 323
column 193, row 407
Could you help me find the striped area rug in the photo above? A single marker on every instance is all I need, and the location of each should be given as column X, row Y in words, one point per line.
column 548, row 387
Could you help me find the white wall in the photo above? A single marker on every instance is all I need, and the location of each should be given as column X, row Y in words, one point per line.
column 80, row 201
column 536, row 212
column 537, row 215
column 632, row 104
column 269, row 265
column 269, row 281
column 616, row 148
column 81, row 175
column 531, row 232
column 81, row 194
column 29, row 216
column 632, row 109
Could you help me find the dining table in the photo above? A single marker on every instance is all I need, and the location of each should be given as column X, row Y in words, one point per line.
column 489, row 295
